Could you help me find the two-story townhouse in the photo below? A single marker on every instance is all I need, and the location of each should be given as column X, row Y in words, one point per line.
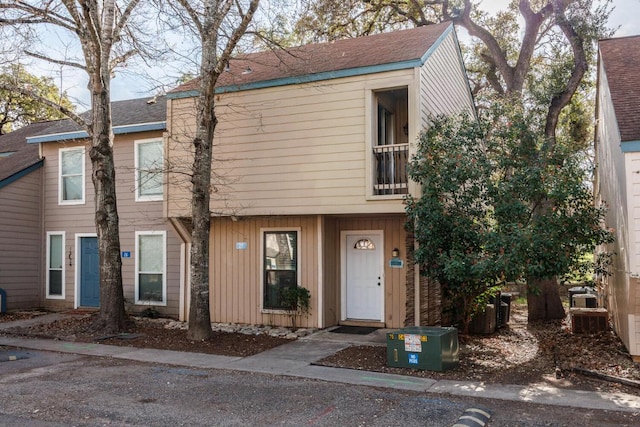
column 151, row 250
column 617, row 180
column 20, row 219
column 310, row 175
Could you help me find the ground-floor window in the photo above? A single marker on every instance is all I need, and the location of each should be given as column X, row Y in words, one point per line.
column 55, row 266
column 150, row 268
column 280, row 266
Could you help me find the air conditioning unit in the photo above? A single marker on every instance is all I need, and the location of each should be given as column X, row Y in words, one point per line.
column 484, row 322
column 585, row 301
column 578, row 290
column 589, row 320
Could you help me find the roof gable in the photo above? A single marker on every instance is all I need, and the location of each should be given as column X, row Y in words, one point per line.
column 323, row 61
column 621, row 59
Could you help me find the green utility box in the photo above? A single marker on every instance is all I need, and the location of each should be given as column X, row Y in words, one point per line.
column 425, row 348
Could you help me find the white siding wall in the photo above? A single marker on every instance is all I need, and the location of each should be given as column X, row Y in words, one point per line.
column 443, row 84
column 632, row 294
column 634, row 329
column 632, row 178
column 134, row 216
column 613, row 176
column 21, row 241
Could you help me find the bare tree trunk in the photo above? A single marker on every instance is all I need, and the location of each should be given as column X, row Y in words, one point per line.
column 211, row 66
column 97, row 51
column 199, row 313
column 543, row 300
column 112, row 317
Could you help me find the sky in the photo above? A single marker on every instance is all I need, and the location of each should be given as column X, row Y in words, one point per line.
column 126, row 85
column 626, row 15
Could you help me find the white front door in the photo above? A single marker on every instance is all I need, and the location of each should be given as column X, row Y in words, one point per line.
column 363, row 275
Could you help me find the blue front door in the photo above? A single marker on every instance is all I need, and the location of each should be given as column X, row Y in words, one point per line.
column 89, row 272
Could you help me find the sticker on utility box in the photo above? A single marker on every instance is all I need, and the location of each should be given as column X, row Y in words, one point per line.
column 413, row 359
column 412, row 343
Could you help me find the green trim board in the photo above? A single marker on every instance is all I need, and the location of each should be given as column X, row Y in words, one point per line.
column 630, row 146
column 117, row 130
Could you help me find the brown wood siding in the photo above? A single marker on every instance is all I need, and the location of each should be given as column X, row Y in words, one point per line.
column 134, row 216
column 331, row 285
column 395, row 278
column 21, row 241
column 235, row 275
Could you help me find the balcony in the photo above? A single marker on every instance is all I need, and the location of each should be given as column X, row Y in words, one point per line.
column 390, row 169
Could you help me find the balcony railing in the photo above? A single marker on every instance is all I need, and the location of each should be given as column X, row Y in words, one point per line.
column 390, row 169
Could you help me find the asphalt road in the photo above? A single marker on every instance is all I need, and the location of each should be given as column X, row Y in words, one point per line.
column 51, row 389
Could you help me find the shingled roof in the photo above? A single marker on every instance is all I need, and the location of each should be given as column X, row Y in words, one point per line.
column 19, row 151
column 621, row 62
column 15, row 154
column 123, row 113
column 379, row 52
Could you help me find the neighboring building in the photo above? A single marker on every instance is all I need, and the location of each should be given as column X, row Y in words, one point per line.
column 21, row 218
column 618, row 180
column 310, row 163
column 151, row 249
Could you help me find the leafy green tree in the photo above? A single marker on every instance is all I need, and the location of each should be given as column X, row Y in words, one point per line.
column 534, row 54
column 499, row 208
column 451, row 220
column 17, row 110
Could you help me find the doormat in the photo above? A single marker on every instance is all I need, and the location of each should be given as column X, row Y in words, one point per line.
column 355, row 330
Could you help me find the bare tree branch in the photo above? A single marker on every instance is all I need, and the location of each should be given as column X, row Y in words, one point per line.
column 498, row 55
column 237, row 33
column 193, row 14
column 126, row 15
column 562, row 99
column 121, row 59
column 55, row 61
column 35, row 15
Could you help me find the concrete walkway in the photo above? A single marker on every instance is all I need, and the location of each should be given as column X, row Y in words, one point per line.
column 296, row 359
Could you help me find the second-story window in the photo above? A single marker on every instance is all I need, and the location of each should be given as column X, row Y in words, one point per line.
column 149, row 167
column 71, row 179
column 390, row 147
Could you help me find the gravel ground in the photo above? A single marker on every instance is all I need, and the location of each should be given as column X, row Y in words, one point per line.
column 542, row 353
column 50, row 389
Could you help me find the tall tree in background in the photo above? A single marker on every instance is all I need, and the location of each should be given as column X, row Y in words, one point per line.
column 102, row 28
column 534, row 55
column 219, row 25
column 17, row 110
column 474, row 219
